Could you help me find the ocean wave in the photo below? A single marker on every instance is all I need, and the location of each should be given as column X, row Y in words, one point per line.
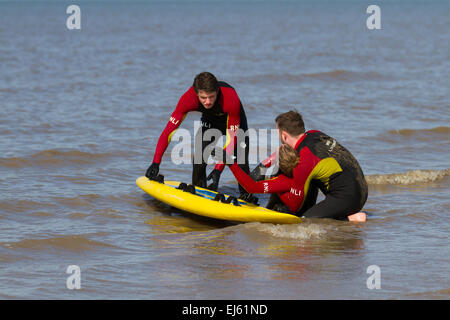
column 55, row 158
column 21, row 206
column 302, row 231
column 68, row 242
column 445, row 131
column 344, row 75
column 443, row 294
column 335, row 75
column 8, row 90
column 84, row 200
column 408, row 178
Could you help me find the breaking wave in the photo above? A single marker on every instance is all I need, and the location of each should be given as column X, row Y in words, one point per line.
column 409, row 177
column 301, row 231
column 414, row 132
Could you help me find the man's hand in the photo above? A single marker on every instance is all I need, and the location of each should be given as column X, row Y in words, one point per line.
column 249, row 198
column 258, row 174
column 152, row 171
column 215, row 176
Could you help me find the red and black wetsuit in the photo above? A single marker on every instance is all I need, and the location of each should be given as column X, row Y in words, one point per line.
column 324, row 164
column 226, row 115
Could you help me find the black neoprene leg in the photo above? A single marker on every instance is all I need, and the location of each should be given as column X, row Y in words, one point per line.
column 244, row 166
column 199, row 164
column 310, row 200
column 332, row 207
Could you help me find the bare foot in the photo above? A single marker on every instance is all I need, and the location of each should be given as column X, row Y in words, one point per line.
column 358, row 217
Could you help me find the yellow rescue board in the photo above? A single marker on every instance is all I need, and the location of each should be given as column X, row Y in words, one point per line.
column 202, row 203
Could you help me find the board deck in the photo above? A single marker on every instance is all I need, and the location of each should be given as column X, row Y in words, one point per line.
column 202, row 203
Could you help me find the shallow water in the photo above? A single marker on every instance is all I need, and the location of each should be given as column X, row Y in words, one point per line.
column 81, row 111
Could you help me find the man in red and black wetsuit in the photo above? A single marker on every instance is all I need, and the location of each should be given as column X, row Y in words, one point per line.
column 324, row 164
column 221, row 109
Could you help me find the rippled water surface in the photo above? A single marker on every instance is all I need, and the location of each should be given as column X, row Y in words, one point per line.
column 81, row 111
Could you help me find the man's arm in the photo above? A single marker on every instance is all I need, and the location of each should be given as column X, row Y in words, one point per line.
column 259, row 173
column 278, row 184
column 188, row 102
column 270, row 160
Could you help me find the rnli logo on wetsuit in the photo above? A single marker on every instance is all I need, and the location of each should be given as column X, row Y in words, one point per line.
column 173, row 120
column 234, row 128
column 296, row 192
column 266, row 187
column 205, row 124
column 331, row 145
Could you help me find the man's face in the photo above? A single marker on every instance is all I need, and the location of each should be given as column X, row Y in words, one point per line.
column 207, row 99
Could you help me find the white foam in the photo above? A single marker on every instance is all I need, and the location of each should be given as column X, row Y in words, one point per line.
column 302, row 231
column 409, row 177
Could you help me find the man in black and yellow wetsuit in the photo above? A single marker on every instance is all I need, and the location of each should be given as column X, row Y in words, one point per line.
column 324, row 165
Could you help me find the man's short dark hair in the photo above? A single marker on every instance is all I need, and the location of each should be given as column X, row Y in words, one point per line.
column 291, row 122
column 205, row 81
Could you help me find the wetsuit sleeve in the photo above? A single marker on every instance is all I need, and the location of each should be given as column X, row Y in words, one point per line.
column 278, row 184
column 231, row 106
column 302, row 176
column 188, row 102
column 270, row 160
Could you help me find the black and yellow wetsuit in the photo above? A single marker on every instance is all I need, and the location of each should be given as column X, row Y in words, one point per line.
column 324, row 165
